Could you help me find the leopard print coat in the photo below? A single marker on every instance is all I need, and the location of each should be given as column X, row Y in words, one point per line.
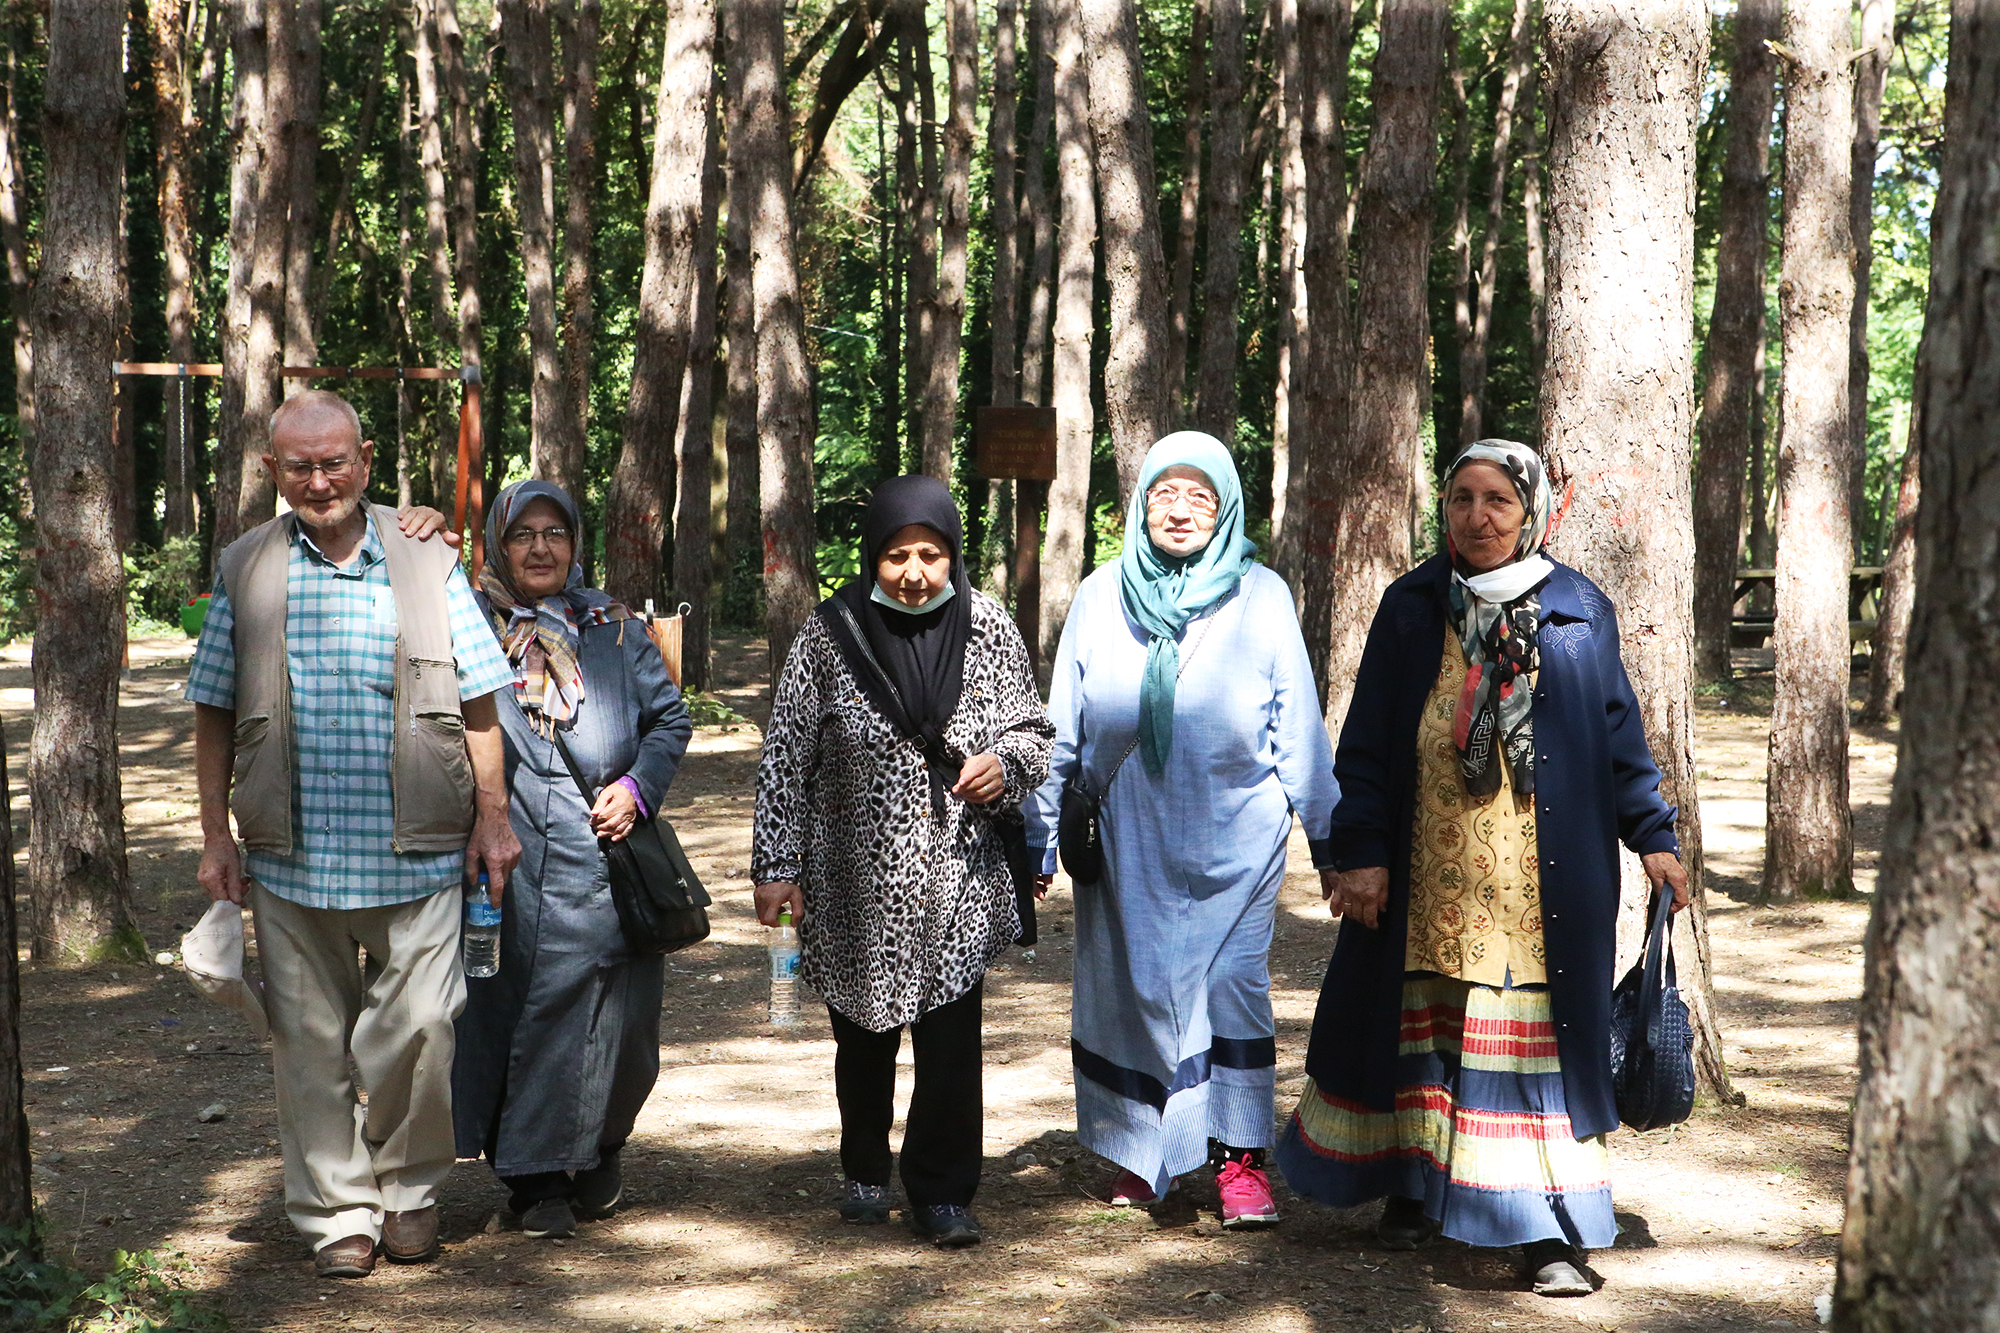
column 904, row 911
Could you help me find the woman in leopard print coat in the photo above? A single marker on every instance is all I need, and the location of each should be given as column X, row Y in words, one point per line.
column 905, row 733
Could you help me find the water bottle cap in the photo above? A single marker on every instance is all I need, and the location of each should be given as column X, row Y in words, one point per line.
column 482, row 879
column 784, row 916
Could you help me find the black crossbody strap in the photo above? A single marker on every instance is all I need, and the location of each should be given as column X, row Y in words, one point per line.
column 569, row 762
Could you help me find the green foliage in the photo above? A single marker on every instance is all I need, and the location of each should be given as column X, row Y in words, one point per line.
column 158, row 580
column 707, row 710
column 141, row 1293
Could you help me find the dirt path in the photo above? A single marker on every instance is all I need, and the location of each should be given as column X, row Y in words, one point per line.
column 1727, row 1222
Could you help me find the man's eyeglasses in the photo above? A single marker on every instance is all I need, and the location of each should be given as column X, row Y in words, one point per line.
column 1166, row 497
column 333, row 469
column 524, row 539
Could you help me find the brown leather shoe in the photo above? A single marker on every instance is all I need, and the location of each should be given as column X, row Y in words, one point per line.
column 351, row 1257
column 411, row 1237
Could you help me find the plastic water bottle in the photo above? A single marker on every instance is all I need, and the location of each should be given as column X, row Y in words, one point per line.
column 481, row 937
column 784, row 972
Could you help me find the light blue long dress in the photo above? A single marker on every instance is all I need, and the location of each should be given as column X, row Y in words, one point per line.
column 1171, row 1029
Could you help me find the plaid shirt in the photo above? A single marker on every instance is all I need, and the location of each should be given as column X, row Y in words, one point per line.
column 340, row 644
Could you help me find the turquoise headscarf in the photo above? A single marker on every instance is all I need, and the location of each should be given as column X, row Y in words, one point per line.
column 1162, row 594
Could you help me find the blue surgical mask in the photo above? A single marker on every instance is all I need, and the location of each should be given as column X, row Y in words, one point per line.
column 875, row 594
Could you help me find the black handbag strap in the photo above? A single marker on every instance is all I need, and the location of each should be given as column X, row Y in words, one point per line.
column 569, row 762
column 1202, row 625
column 1659, row 959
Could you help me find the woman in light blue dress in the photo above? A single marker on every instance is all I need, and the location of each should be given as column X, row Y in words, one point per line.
column 1183, row 695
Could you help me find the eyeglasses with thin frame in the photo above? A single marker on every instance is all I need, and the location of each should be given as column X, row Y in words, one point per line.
column 524, row 539
column 1200, row 500
column 333, row 469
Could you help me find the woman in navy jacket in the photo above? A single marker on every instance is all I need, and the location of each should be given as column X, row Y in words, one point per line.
column 1460, row 1058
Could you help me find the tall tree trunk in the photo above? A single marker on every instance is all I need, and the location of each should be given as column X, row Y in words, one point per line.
column 1391, row 334
column 1001, row 131
column 1076, row 267
column 1871, row 78
column 1288, row 473
column 1180, row 294
column 340, row 219
column 889, row 263
column 464, row 207
column 1038, row 219
column 1920, row 1251
column 431, row 114
column 947, row 311
column 1733, row 329
column 744, row 542
column 235, row 445
column 17, row 1195
column 174, row 128
column 525, row 30
column 77, row 875
column 1215, row 397
column 637, row 508
column 1136, row 367
column 694, row 516
column 1809, row 831
column 301, row 131
column 582, row 24
column 264, row 348
column 1472, row 370
column 406, row 339
column 1889, row 652
column 1624, row 98
column 14, row 238
column 1461, row 229
column 1324, row 393
column 917, row 189
column 784, row 390
column 1531, row 227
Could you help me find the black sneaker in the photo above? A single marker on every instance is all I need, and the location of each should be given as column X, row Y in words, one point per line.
column 949, row 1225
column 1553, row 1268
column 550, row 1219
column 865, row 1205
column 599, row 1189
column 1403, row 1225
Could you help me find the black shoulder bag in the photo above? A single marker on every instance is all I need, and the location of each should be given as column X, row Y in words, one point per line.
column 1652, row 1041
column 661, row 903
column 1078, row 835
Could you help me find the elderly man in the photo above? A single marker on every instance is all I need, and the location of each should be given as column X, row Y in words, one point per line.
column 343, row 687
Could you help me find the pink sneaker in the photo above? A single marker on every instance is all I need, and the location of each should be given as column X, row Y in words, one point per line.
column 1246, row 1195
column 1128, row 1191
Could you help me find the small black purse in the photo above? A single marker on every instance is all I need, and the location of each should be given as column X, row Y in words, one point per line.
column 1652, row 1040
column 1078, row 836
column 661, row 904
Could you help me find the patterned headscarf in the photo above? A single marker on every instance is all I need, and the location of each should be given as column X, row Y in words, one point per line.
column 540, row 637
column 1496, row 615
column 1163, row 593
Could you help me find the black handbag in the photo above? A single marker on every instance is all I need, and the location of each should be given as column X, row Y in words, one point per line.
column 661, row 904
column 1652, row 1039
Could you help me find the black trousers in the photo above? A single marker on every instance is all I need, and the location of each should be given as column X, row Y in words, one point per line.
column 941, row 1142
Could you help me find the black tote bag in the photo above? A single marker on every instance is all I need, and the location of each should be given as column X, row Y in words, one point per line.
column 661, row 904
column 1652, row 1040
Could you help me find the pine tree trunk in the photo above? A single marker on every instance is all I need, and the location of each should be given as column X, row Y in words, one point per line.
column 17, row 1195
column 1461, row 233
column 1004, row 215
column 947, row 312
column 1808, row 841
column 1288, row 473
column 638, row 504
column 1215, row 398
column 1871, row 78
column 1472, row 373
column 301, row 132
column 1181, row 291
column 1733, row 335
column 1392, row 239
column 1135, row 268
column 694, row 515
column 77, row 877
column 430, row 113
column 744, row 543
column 1531, row 228
column 784, row 390
column 249, row 131
column 264, row 347
column 1038, row 219
column 1076, row 266
column 14, row 238
column 526, row 32
column 1889, row 654
column 463, row 210
column 174, row 125
column 917, row 189
column 1920, row 1252
column 1624, row 101
column 582, row 24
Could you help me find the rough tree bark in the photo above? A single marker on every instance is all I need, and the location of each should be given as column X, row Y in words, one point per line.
column 1733, row 328
column 1871, row 79
column 249, row 129
column 1920, row 1251
column 784, row 389
column 1808, row 838
column 1473, row 355
column 1889, row 653
column 264, row 347
column 1531, row 228
column 301, row 131
column 642, row 481
column 1004, row 214
column 744, row 544
column 1215, row 393
column 17, row 1195
column 174, row 125
column 1288, row 475
column 14, row 238
column 464, row 208
column 440, row 461
column 694, row 491
column 582, row 22
column 1180, row 293
column 1461, row 218
column 1392, row 238
column 946, row 312
column 1037, row 218
column 917, row 194
column 77, row 878
column 554, row 450
column 1076, row 266
column 1624, row 99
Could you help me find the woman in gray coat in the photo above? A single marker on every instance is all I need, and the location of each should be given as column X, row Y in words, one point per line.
column 557, row 1053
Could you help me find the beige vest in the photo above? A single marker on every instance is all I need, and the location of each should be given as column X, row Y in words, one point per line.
column 430, row 771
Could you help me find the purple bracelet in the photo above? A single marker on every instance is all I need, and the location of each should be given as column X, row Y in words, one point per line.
column 629, row 785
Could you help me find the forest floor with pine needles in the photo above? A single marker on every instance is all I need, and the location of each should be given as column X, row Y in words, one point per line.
column 1728, row 1222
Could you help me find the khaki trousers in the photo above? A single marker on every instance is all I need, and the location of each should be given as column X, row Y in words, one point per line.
column 346, row 1163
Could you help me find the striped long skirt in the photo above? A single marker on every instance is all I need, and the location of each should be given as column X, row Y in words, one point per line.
column 1479, row 1132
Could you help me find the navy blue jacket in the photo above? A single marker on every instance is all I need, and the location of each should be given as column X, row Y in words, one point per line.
column 1595, row 786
